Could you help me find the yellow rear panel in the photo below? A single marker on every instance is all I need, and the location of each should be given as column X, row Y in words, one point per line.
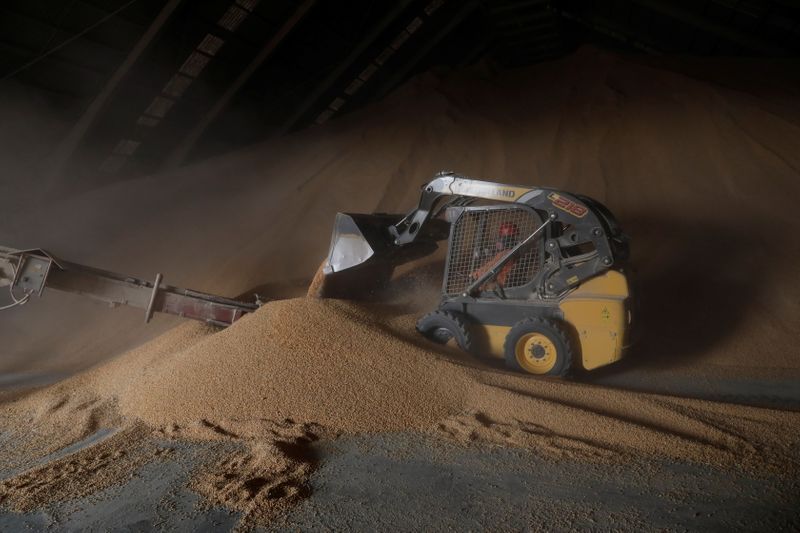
column 597, row 311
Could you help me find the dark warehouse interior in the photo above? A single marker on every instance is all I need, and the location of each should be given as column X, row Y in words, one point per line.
column 399, row 265
column 145, row 85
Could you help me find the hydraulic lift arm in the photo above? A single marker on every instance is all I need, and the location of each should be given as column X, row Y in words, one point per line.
column 451, row 184
column 29, row 272
column 365, row 248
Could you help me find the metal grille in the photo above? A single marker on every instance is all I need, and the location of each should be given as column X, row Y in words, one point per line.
column 481, row 237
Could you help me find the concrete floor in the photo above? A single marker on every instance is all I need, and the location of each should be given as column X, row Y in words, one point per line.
column 413, row 482
column 775, row 393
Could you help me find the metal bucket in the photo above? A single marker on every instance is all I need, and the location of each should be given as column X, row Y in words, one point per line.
column 363, row 255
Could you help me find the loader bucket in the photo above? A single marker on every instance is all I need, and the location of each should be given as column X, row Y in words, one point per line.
column 362, row 256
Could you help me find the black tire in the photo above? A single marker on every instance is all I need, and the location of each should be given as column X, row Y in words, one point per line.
column 556, row 356
column 441, row 326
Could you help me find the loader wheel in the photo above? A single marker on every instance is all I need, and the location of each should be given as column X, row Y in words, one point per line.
column 538, row 346
column 441, row 326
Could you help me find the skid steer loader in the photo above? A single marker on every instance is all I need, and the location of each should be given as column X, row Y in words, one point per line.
column 533, row 275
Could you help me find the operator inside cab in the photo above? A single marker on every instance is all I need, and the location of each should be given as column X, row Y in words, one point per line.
column 507, row 238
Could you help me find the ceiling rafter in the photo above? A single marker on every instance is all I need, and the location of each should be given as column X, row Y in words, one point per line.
column 76, row 134
column 177, row 156
column 729, row 33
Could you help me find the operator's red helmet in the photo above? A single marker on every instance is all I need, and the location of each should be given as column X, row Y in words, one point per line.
column 507, row 236
column 508, row 229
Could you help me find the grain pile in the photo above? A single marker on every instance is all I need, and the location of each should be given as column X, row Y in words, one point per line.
column 699, row 175
column 303, row 369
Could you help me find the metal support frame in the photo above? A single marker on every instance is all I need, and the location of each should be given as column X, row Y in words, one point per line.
column 608, row 29
column 505, row 7
column 730, row 34
column 148, row 314
column 479, row 49
column 6, row 7
column 27, row 51
column 337, row 73
column 73, row 139
column 464, row 11
column 178, row 155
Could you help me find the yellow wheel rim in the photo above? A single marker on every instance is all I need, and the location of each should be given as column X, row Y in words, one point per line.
column 536, row 353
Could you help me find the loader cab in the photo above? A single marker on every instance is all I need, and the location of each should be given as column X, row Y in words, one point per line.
column 477, row 240
column 474, row 244
column 515, row 316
